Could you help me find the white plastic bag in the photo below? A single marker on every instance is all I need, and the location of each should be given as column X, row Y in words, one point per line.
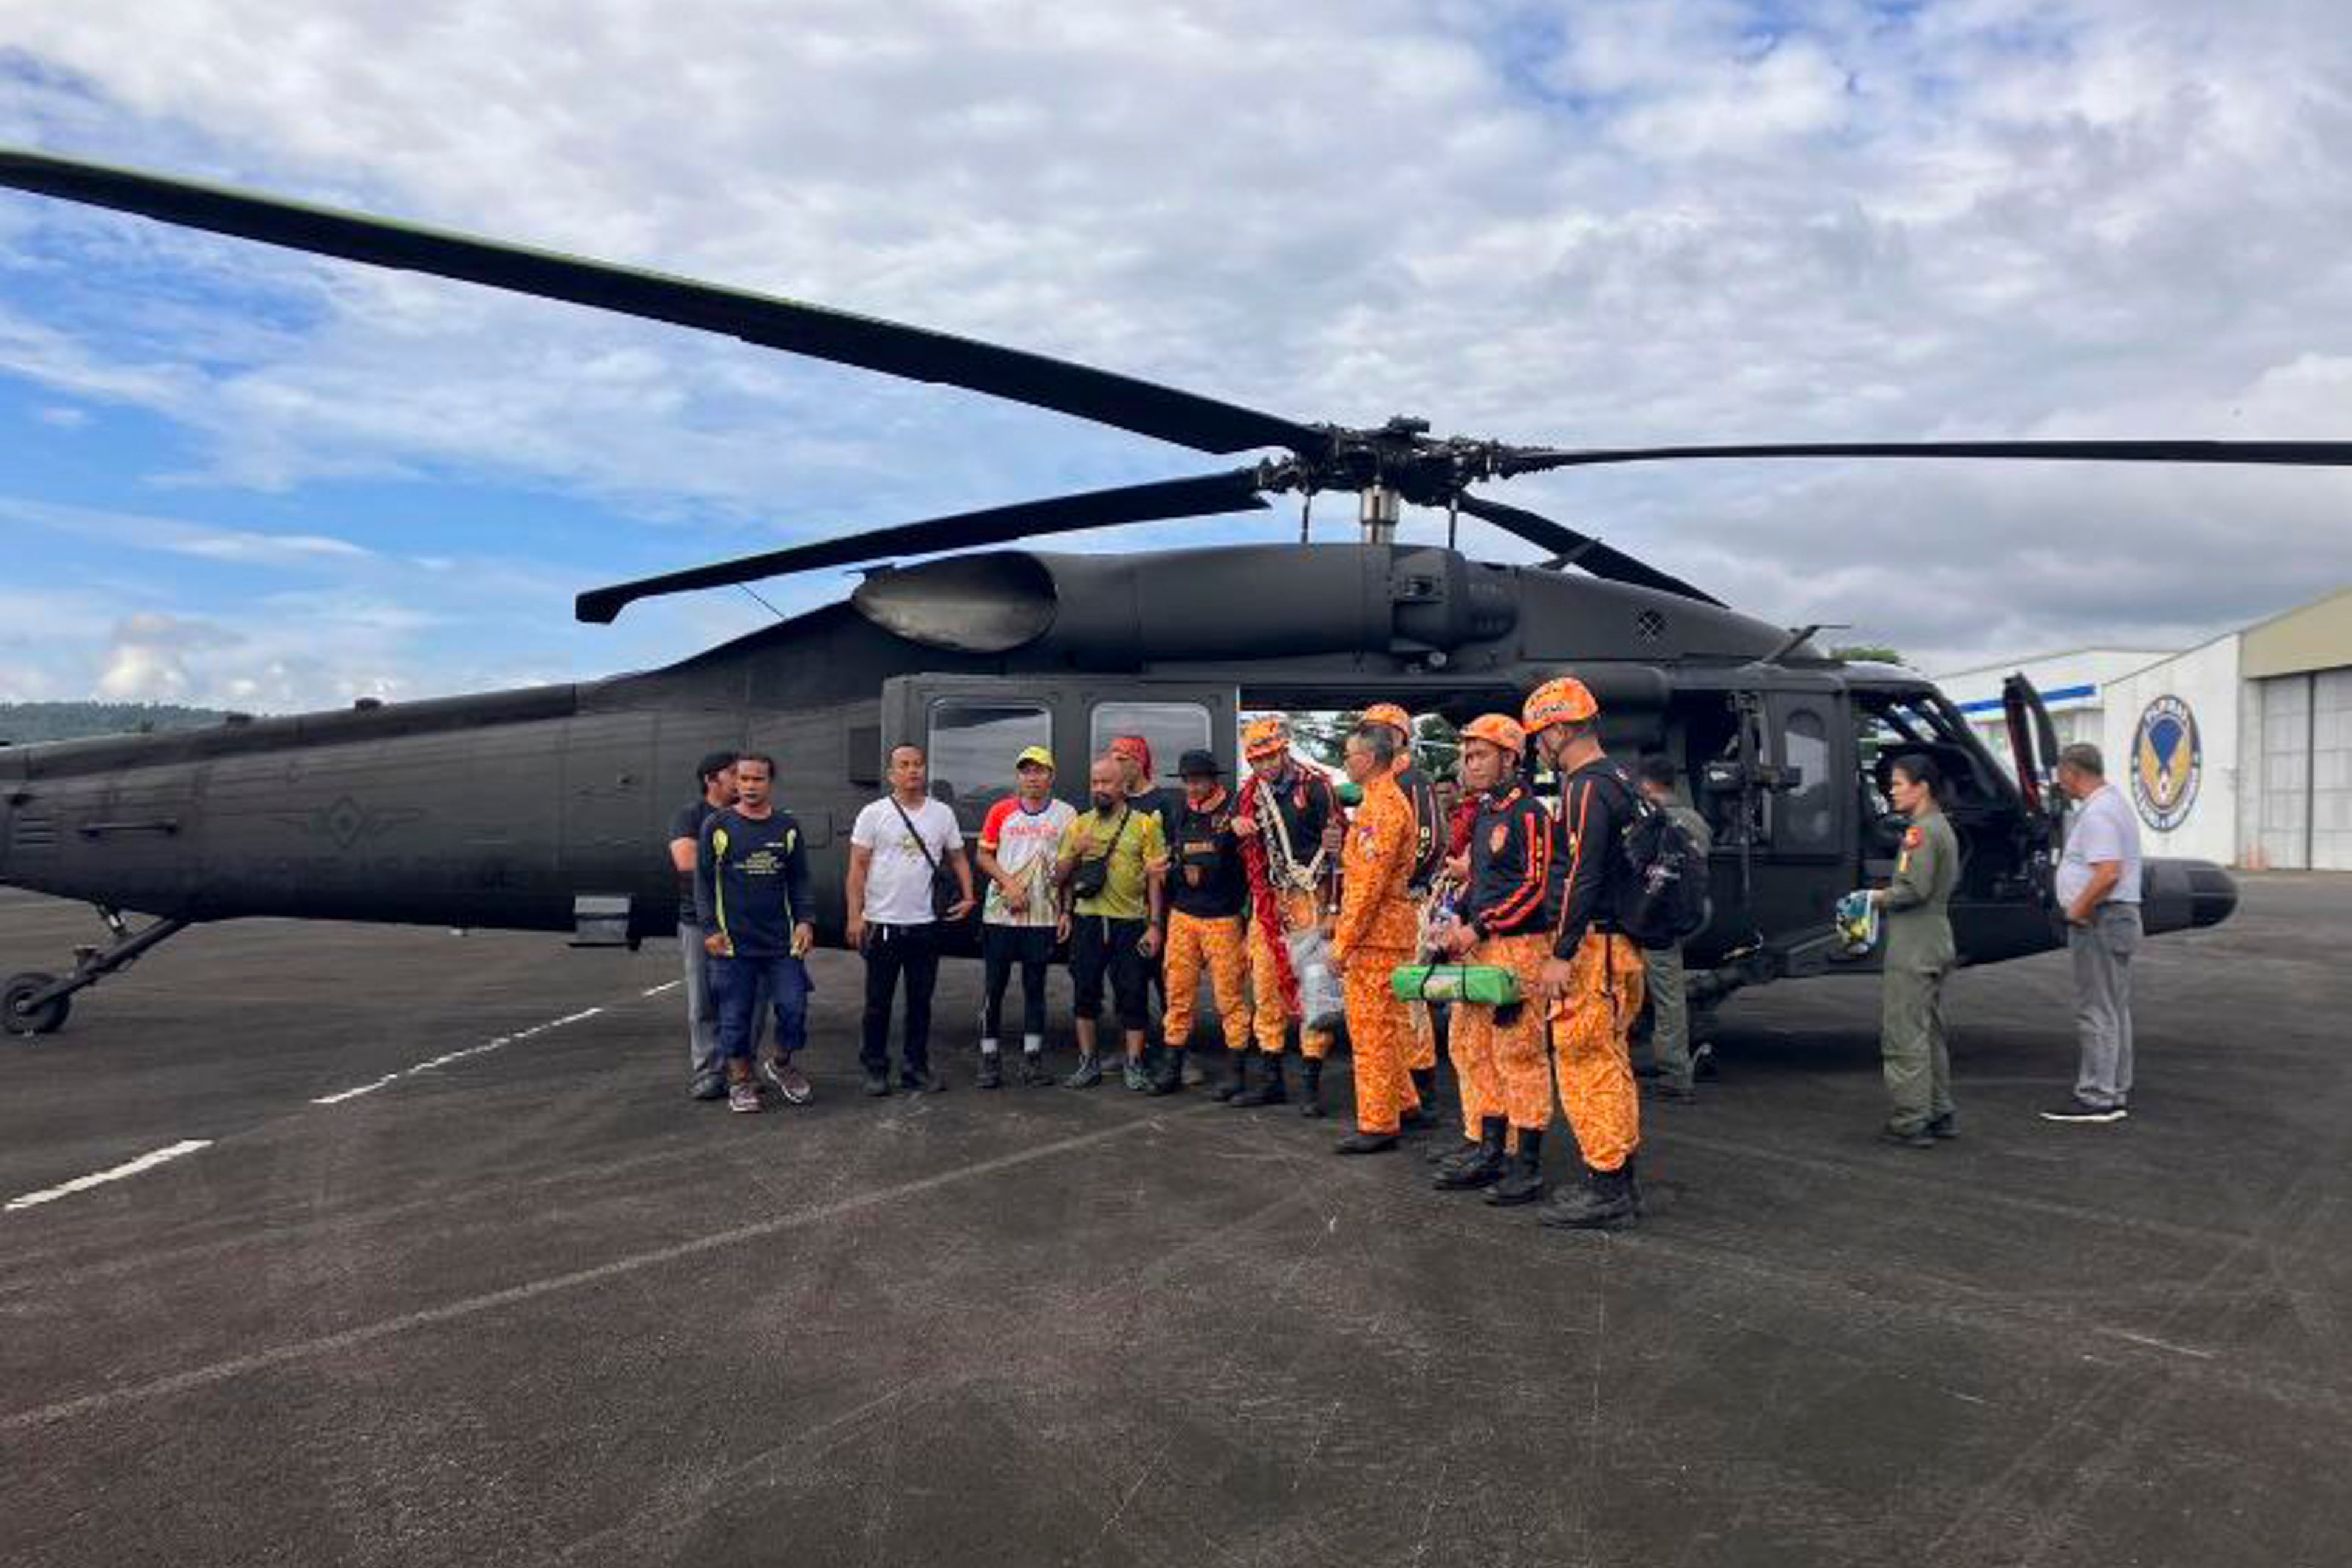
column 1322, row 1004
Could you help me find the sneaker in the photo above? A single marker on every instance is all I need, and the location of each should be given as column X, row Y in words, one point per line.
column 1034, row 1071
column 1946, row 1125
column 791, row 1084
column 711, row 1087
column 1088, row 1074
column 2081, row 1110
column 1910, row 1138
column 1137, row 1078
column 991, row 1071
column 925, row 1080
column 1365, row 1142
column 878, row 1084
column 743, row 1094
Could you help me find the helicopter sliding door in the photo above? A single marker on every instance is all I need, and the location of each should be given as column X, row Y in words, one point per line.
column 972, row 728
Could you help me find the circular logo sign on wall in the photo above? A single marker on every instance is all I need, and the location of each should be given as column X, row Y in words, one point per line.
column 2166, row 761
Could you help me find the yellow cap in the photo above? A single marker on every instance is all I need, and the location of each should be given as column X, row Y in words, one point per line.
column 1036, row 754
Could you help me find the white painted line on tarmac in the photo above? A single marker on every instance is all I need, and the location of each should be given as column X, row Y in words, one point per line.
column 100, row 1178
column 665, row 986
column 341, row 1095
column 447, row 1057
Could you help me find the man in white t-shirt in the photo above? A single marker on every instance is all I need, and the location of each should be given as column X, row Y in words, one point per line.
column 1017, row 849
column 2098, row 889
column 894, row 849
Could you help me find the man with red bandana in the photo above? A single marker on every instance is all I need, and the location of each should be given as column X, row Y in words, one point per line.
column 1280, row 818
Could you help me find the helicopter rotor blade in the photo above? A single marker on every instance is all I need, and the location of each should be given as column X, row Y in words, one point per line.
column 1208, row 495
column 1574, row 549
column 1206, row 424
column 2286, row 454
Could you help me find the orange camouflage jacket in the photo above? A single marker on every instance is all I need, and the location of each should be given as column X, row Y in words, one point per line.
column 1376, row 907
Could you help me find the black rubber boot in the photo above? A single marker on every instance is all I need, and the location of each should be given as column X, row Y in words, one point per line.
column 1483, row 1164
column 1362, row 1143
column 1603, row 1200
column 1524, row 1183
column 1172, row 1071
column 1422, row 1116
column 1236, row 1083
column 1270, row 1090
column 1310, row 1087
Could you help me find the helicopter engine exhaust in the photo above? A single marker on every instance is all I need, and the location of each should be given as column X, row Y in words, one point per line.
column 1109, row 611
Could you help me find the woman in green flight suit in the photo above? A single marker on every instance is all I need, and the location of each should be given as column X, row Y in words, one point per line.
column 1919, row 953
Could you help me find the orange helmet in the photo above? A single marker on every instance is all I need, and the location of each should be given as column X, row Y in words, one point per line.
column 1498, row 730
column 1563, row 700
column 1388, row 714
column 1265, row 738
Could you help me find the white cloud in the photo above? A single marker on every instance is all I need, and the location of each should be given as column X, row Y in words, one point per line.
column 1595, row 224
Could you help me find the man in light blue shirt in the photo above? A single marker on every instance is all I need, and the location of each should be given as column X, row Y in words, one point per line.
column 2098, row 888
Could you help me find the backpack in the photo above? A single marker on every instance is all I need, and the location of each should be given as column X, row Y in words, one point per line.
column 1660, row 882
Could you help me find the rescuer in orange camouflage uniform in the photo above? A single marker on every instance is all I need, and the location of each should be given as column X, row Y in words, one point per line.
column 1505, row 921
column 1429, row 850
column 1283, row 808
column 1594, row 974
column 1379, row 928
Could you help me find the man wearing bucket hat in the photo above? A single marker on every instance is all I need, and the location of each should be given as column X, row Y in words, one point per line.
column 1017, row 849
column 1284, row 809
column 1505, row 922
column 1593, row 978
column 1207, row 890
column 1429, row 847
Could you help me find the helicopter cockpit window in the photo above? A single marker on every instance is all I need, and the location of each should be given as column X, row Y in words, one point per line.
column 972, row 744
column 1893, row 724
column 1171, row 728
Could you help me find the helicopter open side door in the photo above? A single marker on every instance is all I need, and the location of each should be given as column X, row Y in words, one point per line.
column 2034, row 746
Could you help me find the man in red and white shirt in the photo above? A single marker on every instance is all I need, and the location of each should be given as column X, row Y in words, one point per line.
column 1017, row 846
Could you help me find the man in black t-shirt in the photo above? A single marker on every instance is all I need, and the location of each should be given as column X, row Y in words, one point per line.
column 754, row 906
column 716, row 776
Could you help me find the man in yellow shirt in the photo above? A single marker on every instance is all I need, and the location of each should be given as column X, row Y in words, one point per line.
column 1113, row 867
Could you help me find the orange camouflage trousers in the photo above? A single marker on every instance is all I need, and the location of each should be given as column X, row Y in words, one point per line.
column 1298, row 911
column 1193, row 944
column 1379, row 1033
column 1501, row 1064
column 1590, row 1051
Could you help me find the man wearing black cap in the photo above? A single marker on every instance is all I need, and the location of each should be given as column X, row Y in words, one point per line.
column 1207, row 888
column 715, row 774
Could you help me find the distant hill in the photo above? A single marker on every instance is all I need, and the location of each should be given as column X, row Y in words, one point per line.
column 23, row 724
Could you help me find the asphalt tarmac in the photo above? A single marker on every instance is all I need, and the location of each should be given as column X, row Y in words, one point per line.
column 529, row 1304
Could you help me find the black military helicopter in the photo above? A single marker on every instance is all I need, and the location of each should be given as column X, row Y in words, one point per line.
column 407, row 812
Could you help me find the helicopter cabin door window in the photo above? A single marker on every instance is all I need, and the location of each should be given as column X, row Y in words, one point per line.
column 973, row 746
column 1171, row 728
column 1806, row 810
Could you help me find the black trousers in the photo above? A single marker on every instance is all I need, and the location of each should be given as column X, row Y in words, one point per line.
column 892, row 951
column 1104, row 949
column 1001, row 948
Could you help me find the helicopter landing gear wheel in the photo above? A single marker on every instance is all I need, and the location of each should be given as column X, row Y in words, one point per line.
column 19, row 1014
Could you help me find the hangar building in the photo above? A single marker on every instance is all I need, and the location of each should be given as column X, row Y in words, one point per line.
column 2237, row 750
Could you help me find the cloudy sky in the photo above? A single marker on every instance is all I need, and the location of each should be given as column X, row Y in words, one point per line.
column 237, row 476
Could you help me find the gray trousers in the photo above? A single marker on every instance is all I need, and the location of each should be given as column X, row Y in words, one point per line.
column 701, row 1012
column 1918, row 1068
column 1669, row 1046
column 2101, row 953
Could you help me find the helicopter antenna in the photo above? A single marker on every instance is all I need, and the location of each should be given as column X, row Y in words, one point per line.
column 1306, row 512
column 769, row 608
column 1453, row 518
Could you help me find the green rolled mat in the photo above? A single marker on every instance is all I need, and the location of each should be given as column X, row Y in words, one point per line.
column 1483, row 983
